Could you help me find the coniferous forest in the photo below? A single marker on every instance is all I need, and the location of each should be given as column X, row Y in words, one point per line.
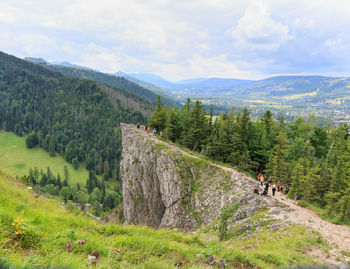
column 313, row 160
column 68, row 116
column 77, row 119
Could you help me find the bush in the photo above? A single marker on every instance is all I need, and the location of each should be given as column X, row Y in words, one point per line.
column 32, row 140
column 226, row 213
column 51, row 189
column 75, row 163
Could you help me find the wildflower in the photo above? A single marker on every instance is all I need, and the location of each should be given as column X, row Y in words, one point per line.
column 81, row 242
column 69, row 247
column 117, row 250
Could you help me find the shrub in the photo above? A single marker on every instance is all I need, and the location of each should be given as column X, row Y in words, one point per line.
column 226, row 213
column 75, row 163
column 32, row 140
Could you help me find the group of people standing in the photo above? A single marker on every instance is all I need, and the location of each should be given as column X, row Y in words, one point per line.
column 143, row 127
column 270, row 182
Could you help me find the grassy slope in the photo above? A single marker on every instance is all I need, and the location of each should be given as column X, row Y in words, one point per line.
column 47, row 228
column 16, row 159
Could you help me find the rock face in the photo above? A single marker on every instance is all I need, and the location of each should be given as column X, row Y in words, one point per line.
column 165, row 187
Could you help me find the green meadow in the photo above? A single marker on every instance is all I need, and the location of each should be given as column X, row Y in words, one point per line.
column 35, row 232
column 16, row 159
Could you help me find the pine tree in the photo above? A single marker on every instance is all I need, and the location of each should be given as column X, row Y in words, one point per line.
column 36, row 173
column 106, row 170
column 174, row 127
column 52, row 146
column 66, row 174
column 185, row 118
column 58, row 179
column 278, row 163
column 159, row 118
column 75, row 163
column 198, row 130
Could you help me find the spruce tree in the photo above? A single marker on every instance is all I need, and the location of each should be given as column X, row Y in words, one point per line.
column 278, row 163
column 66, row 174
column 158, row 120
column 52, row 146
column 198, row 129
column 58, row 179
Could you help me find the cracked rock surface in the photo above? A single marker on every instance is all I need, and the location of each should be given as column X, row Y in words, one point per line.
column 165, row 187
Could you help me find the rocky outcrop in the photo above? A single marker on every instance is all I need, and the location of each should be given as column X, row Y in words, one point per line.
column 165, row 187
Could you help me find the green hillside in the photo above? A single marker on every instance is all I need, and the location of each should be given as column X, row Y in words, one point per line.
column 35, row 232
column 76, row 118
column 16, row 159
column 111, row 80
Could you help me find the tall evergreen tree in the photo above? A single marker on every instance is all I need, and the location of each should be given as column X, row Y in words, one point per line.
column 278, row 164
column 159, row 119
column 52, row 146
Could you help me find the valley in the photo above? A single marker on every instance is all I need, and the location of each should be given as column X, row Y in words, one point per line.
column 174, row 134
column 70, row 149
column 16, row 160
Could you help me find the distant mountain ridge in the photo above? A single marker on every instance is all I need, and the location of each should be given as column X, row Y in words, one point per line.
column 291, row 88
column 109, row 79
column 68, row 64
column 300, row 90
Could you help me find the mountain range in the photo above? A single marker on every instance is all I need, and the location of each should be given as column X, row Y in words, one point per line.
column 333, row 90
column 318, row 94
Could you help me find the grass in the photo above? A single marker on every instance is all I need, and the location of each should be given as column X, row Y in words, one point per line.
column 297, row 96
column 262, row 102
column 16, row 159
column 35, row 231
column 278, row 248
column 46, row 228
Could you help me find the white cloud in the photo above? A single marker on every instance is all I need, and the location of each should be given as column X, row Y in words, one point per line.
column 258, row 30
column 183, row 38
column 217, row 66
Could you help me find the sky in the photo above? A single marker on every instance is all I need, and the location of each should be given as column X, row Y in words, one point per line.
column 183, row 39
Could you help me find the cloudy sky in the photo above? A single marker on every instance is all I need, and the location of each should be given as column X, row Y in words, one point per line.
column 183, row 38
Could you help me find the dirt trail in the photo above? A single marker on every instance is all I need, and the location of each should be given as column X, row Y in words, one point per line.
column 337, row 236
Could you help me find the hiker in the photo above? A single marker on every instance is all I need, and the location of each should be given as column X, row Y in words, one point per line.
column 266, row 188
column 273, row 189
column 259, row 176
column 154, row 131
column 297, row 198
column 256, row 190
column 262, row 180
column 270, row 179
column 287, row 189
column 279, row 184
column 138, row 125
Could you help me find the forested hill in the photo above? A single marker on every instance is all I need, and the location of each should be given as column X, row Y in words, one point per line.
column 111, row 80
column 75, row 117
column 313, row 160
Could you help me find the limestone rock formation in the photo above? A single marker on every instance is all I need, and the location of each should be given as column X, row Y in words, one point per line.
column 165, row 187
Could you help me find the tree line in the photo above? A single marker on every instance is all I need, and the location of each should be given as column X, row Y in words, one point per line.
column 69, row 116
column 313, row 160
column 94, row 192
